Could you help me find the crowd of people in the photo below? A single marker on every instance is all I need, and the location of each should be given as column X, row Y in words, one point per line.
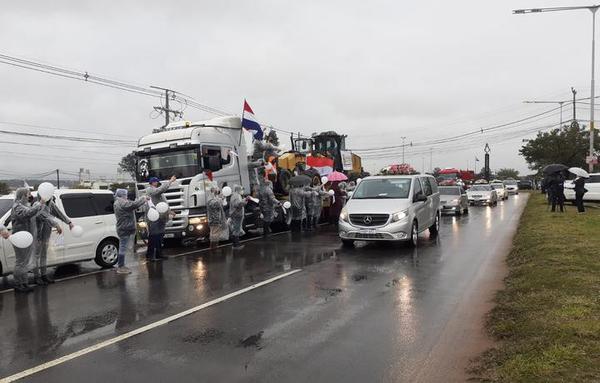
column 553, row 185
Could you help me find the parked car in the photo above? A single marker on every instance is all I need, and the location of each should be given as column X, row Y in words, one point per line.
column 512, row 186
column 592, row 185
column 391, row 208
column 453, row 200
column 525, row 185
column 500, row 189
column 482, row 195
column 90, row 209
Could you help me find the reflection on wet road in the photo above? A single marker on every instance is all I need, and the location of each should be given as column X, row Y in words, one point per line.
column 369, row 313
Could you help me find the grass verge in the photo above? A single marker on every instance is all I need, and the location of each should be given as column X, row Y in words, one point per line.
column 547, row 319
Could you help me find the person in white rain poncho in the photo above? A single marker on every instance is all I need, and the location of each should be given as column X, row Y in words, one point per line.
column 217, row 222
column 315, row 206
column 267, row 204
column 237, row 206
column 298, row 196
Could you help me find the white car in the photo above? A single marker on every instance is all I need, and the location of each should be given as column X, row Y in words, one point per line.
column 592, row 185
column 90, row 209
column 482, row 195
column 512, row 186
column 500, row 190
column 391, row 208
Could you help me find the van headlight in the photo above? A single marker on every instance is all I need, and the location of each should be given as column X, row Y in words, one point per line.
column 344, row 215
column 399, row 216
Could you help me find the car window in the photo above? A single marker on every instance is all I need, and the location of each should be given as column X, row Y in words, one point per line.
column 104, row 204
column 78, row 205
column 433, row 183
column 426, row 186
column 594, row 179
column 5, row 206
column 417, row 188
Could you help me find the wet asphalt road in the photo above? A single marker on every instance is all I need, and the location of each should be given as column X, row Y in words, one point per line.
column 377, row 312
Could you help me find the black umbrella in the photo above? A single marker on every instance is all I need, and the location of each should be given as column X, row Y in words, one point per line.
column 554, row 168
column 300, row 180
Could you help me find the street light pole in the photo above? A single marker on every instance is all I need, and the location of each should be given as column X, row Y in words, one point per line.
column 403, row 138
column 593, row 9
column 550, row 102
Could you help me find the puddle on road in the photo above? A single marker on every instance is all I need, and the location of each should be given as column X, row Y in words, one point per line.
column 359, row 277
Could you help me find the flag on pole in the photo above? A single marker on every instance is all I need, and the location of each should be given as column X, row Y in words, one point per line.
column 249, row 122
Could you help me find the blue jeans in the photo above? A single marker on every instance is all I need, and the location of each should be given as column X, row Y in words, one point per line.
column 125, row 244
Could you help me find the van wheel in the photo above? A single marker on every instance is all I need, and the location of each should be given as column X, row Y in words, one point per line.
column 414, row 235
column 435, row 228
column 107, row 252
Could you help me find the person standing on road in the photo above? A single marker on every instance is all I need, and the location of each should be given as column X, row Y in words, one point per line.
column 216, row 217
column 156, row 229
column 580, row 190
column 23, row 218
column 338, row 203
column 316, row 205
column 126, row 225
column 237, row 206
column 267, row 204
column 45, row 221
column 298, row 198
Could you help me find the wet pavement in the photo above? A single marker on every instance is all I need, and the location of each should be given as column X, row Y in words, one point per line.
column 376, row 312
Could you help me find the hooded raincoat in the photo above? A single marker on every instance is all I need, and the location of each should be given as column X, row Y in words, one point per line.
column 298, row 196
column 23, row 218
column 267, row 201
column 157, row 196
column 217, row 221
column 237, row 206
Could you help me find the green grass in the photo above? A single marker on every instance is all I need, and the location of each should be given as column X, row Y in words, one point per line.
column 547, row 318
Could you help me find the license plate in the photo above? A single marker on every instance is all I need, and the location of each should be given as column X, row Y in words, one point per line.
column 368, row 231
column 169, row 235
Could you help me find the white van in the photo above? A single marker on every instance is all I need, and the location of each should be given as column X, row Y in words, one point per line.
column 90, row 209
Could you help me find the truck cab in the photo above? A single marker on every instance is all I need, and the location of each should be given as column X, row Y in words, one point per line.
column 192, row 152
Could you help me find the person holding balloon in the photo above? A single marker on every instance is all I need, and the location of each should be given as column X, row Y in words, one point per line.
column 23, row 218
column 267, row 204
column 156, row 228
column 126, row 225
column 45, row 221
column 237, row 206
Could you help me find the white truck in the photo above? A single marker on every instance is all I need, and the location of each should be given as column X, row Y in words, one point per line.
column 190, row 151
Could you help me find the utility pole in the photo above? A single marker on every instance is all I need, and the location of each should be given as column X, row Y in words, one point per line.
column 574, row 122
column 57, row 179
column 403, row 138
column 165, row 109
column 552, row 102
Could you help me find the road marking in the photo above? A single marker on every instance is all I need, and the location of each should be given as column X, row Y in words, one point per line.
column 141, row 330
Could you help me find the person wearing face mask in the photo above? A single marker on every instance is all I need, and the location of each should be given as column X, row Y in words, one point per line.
column 23, row 218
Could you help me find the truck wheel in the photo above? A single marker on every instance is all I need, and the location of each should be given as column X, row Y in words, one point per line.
column 107, row 252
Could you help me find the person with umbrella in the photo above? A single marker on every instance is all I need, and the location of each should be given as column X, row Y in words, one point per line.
column 579, row 187
column 555, row 185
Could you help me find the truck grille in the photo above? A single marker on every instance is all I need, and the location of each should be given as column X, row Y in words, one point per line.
column 175, row 200
column 369, row 219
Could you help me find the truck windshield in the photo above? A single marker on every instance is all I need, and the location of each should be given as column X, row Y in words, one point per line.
column 181, row 164
column 383, row 188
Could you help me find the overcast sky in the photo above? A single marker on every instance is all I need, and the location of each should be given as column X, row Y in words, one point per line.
column 376, row 71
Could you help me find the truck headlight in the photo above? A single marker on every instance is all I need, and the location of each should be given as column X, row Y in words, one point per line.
column 399, row 216
column 197, row 220
column 344, row 215
column 142, row 225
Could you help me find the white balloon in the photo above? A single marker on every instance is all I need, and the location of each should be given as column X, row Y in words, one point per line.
column 162, row 207
column 324, row 180
column 287, row 205
column 224, row 202
column 46, row 191
column 331, row 192
column 153, row 215
column 359, row 180
column 226, row 191
column 21, row 240
column 77, row 231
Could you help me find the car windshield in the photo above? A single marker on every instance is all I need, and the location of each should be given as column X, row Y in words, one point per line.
column 498, row 186
column 480, row 188
column 163, row 165
column 383, row 188
column 444, row 190
column 510, row 182
column 5, row 205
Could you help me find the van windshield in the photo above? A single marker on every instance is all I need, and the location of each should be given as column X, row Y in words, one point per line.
column 5, row 206
column 383, row 188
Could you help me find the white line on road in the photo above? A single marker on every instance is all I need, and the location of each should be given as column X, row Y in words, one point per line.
column 141, row 330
